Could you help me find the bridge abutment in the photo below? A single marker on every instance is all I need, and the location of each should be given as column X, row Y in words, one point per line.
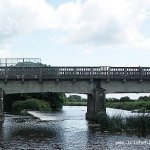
column 1, row 106
column 96, row 103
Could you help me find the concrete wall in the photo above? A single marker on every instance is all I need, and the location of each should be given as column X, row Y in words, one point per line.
column 126, row 87
column 82, row 87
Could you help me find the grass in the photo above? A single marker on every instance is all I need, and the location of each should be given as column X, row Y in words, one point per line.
column 140, row 123
column 117, row 123
column 75, row 103
column 142, row 106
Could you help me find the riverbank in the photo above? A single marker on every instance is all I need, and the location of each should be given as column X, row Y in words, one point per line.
column 75, row 103
column 137, row 123
column 136, row 105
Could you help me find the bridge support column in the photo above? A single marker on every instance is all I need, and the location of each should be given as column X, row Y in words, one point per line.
column 100, row 100
column 96, row 103
column 1, row 107
column 90, row 108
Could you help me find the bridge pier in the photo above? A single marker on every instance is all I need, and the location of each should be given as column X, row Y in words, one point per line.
column 1, row 106
column 96, row 103
column 90, row 108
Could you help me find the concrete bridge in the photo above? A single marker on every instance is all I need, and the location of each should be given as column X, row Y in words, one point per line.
column 93, row 81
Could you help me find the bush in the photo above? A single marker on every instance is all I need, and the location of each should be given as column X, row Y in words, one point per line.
column 141, row 123
column 17, row 107
column 130, row 105
column 51, row 98
column 82, row 103
column 118, row 123
column 125, row 99
column 56, row 101
column 102, row 120
column 30, row 104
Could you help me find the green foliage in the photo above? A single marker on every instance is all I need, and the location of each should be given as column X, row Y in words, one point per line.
column 102, row 120
column 75, row 98
column 17, row 107
column 115, row 123
column 129, row 105
column 125, row 99
column 10, row 99
column 30, row 104
column 118, row 123
column 112, row 100
column 56, row 100
column 138, row 122
column 144, row 98
column 82, row 103
column 30, row 64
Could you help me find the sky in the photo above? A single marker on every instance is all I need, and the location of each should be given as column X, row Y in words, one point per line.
column 77, row 32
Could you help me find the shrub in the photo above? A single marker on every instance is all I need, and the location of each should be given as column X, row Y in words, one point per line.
column 102, row 120
column 141, row 123
column 118, row 123
column 115, row 123
column 125, row 99
column 30, row 104
column 56, row 101
column 130, row 105
column 17, row 107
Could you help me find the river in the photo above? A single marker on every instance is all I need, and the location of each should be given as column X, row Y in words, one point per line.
column 65, row 130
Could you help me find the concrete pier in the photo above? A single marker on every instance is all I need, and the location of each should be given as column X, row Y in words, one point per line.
column 100, row 100
column 90, row 108
column 96, row 103
column 1, row 107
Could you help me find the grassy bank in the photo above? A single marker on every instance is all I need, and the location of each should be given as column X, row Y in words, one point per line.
column 142, row 106
column 118, row 123
column 75, row 104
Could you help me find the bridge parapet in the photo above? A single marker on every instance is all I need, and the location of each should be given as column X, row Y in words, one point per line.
column 103, row 72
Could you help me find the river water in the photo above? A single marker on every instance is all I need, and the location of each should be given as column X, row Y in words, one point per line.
column 65, row 130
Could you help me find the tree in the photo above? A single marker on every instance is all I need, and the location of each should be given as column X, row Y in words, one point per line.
column 112, row 100
column 75, row 98
column 55, row 100
column 125, row 99
column 144, row 98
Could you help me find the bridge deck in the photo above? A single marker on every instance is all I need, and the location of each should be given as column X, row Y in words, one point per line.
column 103, row 72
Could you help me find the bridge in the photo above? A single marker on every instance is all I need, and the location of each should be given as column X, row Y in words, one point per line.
column 21, row 77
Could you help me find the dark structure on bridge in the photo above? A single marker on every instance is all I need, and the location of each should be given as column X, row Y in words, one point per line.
column 23, row 75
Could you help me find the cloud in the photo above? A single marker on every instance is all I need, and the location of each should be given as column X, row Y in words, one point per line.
column 82, row 22
column 22, row 16
column 19, row 16
column 108, row 23
column 88, row 50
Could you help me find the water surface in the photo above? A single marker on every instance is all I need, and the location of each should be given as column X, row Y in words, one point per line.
column 66, row 130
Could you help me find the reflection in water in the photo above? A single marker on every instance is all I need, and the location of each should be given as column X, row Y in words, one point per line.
column 66, row 130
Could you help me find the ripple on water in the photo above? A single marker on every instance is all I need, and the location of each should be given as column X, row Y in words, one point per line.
column 71, row 133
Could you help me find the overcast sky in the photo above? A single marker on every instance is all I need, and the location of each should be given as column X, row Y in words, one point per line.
column 77, row 32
